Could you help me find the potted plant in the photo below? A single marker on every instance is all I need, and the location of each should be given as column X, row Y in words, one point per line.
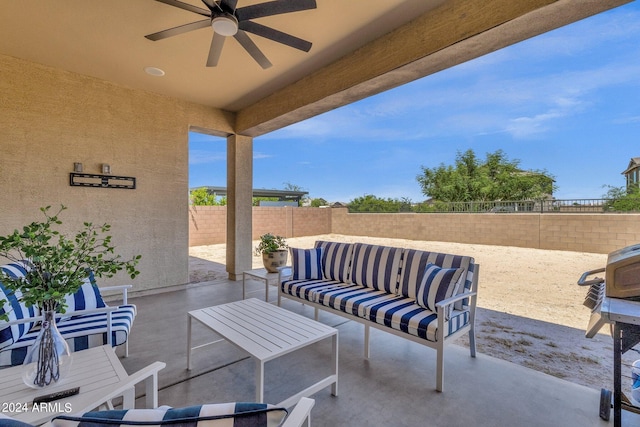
column 57, row 266
column 273, row 250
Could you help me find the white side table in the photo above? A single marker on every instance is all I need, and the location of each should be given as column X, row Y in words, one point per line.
column 260, row 274
column 100, row 376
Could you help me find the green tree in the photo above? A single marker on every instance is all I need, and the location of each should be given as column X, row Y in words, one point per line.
column 256, row 200
column 495, row 178
column 371, row 203
column 622, row 199
column 202, row 197
column 316, row 203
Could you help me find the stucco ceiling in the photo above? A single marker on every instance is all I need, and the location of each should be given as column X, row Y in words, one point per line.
column 360, row 47
column 105, row 39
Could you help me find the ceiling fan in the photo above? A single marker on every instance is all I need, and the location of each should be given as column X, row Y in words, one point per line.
column 229, row 20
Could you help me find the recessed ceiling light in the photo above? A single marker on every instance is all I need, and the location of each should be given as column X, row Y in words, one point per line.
column 154, row 71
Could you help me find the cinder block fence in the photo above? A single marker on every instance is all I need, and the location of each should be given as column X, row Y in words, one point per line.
column 582, row 232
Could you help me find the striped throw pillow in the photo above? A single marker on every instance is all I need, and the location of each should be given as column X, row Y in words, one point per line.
column 306, row 263
column 212, row 415
column 437, row 284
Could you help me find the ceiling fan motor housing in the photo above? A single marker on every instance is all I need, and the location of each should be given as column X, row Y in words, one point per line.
column 225, row 24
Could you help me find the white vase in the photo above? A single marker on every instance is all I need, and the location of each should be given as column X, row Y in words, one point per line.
column 48, row 359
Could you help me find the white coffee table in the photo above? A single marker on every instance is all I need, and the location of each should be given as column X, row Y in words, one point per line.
column 100, row 376
column 260, row 274
column 266, row 332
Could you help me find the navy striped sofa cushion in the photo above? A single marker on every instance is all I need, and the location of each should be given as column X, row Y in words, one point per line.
column 80, row 332
column 376, row 266
column 349, row 298
column 404, row 314
column 212, row 415
column 336, row 260
column 307, row 289
column 415, row 261
column 391, row 310
column 14, row 309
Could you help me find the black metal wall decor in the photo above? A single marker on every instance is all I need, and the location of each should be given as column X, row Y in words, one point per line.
column 102, row 181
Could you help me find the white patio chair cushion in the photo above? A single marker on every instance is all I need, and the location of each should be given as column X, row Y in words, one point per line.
column 86, row 298
column 80, row 332
column 14, row 309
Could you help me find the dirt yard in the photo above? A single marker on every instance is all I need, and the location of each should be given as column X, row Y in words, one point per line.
column 530, row 308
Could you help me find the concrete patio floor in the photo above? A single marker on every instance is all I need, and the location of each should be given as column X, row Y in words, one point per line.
column 395, row 387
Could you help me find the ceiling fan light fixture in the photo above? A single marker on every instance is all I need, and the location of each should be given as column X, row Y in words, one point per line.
column 154, row 71
column 225, row 25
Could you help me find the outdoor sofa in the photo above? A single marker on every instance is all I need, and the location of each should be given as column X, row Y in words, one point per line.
column 88, row 321
column 426, row 297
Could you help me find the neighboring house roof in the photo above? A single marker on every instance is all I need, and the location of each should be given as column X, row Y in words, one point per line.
column 633, row 164
column 257, row 192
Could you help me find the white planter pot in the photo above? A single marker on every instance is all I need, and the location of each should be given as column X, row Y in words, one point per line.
column 274, row 260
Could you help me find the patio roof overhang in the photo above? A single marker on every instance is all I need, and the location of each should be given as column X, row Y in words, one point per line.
column 360, row 48
column 74, row 89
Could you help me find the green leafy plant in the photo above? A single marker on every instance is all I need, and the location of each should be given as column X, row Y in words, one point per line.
column 622, row 199
column 59, row 264
column 270, row 243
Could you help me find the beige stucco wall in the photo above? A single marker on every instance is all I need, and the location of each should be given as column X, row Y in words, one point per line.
column 50, row 119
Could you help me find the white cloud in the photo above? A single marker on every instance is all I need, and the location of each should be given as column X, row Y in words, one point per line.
column 627, row 120
column 259, row 155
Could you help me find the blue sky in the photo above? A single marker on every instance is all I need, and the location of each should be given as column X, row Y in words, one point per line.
column 567, row 101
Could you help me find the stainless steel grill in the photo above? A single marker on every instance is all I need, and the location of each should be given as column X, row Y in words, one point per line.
column 615, row 301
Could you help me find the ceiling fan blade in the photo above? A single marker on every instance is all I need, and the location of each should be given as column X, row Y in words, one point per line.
column 231, row 4
column 179, row 30
column 217, row 42
column 276, row 7
column 252, row 49
column 186, row 6
column 275, row 35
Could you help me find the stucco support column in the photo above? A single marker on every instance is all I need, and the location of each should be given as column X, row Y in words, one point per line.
column 239, row 204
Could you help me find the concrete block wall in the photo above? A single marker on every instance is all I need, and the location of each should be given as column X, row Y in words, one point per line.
column 601, row 233
column 596, row 233
column 207, row 223
column 310, row 221
column 274, row 220
column 505, row 230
